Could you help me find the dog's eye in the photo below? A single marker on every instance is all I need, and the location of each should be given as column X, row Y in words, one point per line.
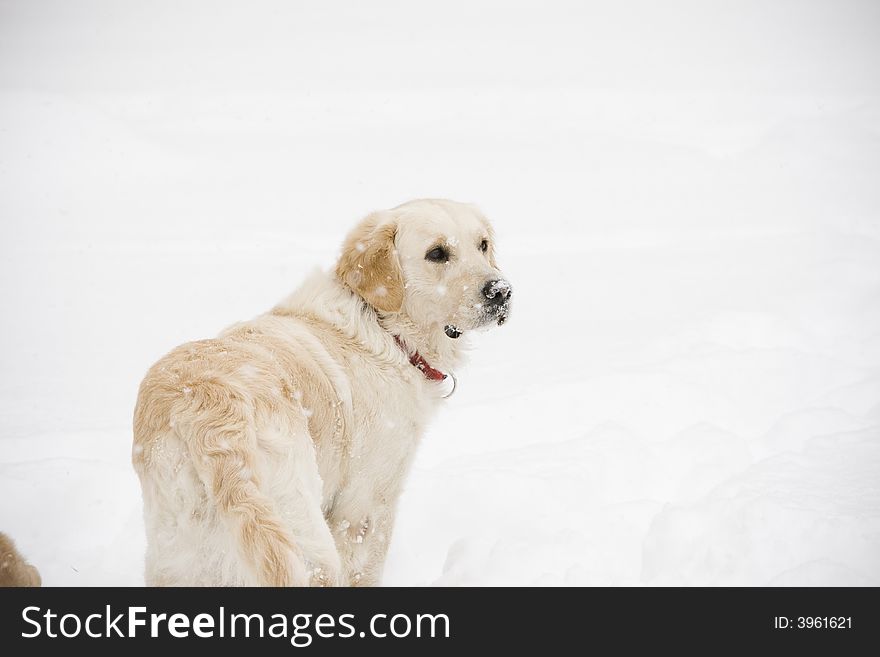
column 437, row 254
column 484, row 246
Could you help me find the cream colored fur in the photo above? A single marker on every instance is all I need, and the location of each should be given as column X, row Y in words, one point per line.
column 275, row 453
column 14, row 568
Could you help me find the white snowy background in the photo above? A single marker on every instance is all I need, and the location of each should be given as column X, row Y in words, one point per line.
column 686, row 197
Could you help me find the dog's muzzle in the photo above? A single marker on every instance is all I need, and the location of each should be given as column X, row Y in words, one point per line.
column 497, row 294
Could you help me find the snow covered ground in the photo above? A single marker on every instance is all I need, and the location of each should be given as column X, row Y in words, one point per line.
column 686, row 196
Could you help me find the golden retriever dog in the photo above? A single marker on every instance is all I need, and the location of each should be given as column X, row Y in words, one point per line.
column 275, row 453
column 14, row 570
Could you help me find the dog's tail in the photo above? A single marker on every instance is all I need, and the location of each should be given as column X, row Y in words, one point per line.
column 222, row 440
column 14, row 570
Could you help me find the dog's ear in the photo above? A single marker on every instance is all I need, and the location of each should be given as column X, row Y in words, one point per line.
column 369, row 263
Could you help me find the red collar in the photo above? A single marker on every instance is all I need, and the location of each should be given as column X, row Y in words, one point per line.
column 419, row 361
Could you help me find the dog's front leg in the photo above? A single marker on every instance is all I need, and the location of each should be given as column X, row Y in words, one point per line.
column 362, row 538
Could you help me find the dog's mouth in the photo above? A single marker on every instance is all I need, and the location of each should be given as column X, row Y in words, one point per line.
column 494, row 315
column 498, row 314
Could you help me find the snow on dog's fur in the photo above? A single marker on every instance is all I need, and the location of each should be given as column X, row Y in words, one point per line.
column 275, row 453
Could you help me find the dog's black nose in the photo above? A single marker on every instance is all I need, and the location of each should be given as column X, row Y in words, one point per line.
column 497, row 292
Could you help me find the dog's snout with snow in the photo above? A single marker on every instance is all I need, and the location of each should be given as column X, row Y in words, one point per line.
column 497, row 293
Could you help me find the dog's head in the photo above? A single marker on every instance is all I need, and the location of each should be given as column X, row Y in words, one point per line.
column 430, row 260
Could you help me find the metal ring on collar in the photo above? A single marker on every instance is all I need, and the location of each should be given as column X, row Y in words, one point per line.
column 454, row 386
